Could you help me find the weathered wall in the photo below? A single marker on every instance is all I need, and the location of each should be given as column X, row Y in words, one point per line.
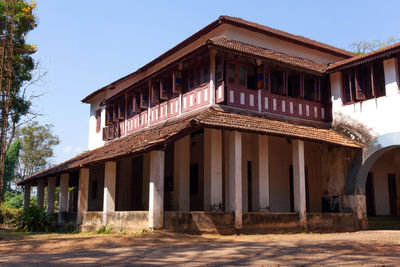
column 96, row 138
column 382, row 167
column 95, row 201
column 120, row 220
column 280, row 152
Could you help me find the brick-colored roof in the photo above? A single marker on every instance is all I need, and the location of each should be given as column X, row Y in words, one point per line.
column 239, row 22
column 268, row 54
column 287, row 36
column 157, row 136
column 360, row 59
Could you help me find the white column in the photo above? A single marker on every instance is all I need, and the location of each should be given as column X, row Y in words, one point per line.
column 182, row 173
column 82, row 194
column 51, row 194
column 299, row 184
column 213, row 52
column 156, row 190
column 261, row 181
column 63, row 196
column 40, row 193
column 27, row 195
column 110, row 174
column 212, row 169
column 235, row 172
column 391, row 76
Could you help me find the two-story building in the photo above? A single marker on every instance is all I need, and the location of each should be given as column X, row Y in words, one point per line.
column 238, row 126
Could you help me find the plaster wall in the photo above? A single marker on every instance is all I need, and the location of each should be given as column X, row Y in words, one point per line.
column 376, row 114
column 380, row 170
column 96, row 138
column 261, row 40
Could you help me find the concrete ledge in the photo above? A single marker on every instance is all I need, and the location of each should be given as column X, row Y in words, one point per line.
column 222, row 222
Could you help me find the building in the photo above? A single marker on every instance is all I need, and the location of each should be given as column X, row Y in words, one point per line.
column 238, row 126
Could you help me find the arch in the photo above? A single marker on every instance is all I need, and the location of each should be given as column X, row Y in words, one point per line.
column 363, row 161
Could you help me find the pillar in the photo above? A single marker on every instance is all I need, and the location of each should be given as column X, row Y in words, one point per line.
column 261, row 182
column 391, row 76
column 299, row 184
column 156, row 189
column 40, row 193
column 235, row 173
column 63, row 197
column 83, row 193
column 182, row 173
column 51, row 194
column 212, row 169
column 110, row 175
column 27, row 195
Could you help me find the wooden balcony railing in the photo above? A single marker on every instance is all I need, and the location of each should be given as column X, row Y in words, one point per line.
column 255, row 100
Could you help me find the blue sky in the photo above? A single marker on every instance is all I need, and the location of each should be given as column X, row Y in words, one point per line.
column 85, row 45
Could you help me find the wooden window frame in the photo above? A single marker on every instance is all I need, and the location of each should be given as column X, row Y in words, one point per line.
column 98, row 120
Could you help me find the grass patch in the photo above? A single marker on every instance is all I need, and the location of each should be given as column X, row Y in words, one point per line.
column 105, row 229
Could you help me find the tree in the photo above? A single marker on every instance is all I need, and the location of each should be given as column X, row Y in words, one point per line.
column 16, row 67
column 10, row 165
column 363, row 47
column 37, row 144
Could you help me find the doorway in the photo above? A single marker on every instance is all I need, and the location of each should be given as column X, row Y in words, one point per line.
column 392, row 194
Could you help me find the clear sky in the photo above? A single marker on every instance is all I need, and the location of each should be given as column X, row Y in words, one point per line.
column 85, row 45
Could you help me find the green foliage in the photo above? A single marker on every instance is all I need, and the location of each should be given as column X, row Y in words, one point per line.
column 363, row 47
column 10, row 165
column 8, row 215
column 35, row 219
column 105, row 229
column 37, row 143
column 13, row 200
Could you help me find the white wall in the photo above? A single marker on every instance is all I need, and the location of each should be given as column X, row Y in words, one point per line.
column 96, row 139
column 380, row 114
column 261, row 40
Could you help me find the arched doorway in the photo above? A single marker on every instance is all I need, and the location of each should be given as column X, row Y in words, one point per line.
column 375, row 173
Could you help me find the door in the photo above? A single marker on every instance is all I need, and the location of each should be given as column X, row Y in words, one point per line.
column 370, row 195
column 392, row 194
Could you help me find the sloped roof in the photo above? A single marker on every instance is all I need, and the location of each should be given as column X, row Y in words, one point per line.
column 360, row 59
column 268, row 54
column 239, row 22
column 157, row 136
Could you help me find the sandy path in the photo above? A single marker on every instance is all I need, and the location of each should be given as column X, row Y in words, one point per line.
column 162, row 248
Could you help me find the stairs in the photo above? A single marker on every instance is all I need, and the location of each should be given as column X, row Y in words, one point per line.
column 384, row 223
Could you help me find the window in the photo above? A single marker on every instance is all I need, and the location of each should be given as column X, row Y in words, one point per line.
column 251, row 77
column 294, row 81
column 277, row 81
column 206, row 72
column 363, row 82
column 198, row 76
column 98, row 120
column 325, row 89
column 219, row 69
column 231, row 73
column 191, row 79
column 242, row 75
column 379, row 79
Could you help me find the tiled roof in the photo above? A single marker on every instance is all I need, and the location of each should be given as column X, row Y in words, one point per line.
column 239, row 22
column 288, row 36
column 156, row 137
column 360, row 59
column 271, row 55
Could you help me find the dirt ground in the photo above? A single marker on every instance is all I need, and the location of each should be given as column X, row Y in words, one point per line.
column 164, row 248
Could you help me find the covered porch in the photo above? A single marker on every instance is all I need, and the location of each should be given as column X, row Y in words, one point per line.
column 213, row 177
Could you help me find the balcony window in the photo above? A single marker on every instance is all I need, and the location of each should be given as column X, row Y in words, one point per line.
column 251, row 77
column 242, row 75
column 98, row 120
column 231, row 73
column 219, row 69
column 294, row 82
column 198, row 76
column 206, row 72
column 311, row 87
column 191, row 79
column 379, row 79
column 277, row 81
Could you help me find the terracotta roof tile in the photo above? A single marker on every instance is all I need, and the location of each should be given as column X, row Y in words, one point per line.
column 360, row 59
column 156, row 137
column 271, row 55
column 297, row 38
